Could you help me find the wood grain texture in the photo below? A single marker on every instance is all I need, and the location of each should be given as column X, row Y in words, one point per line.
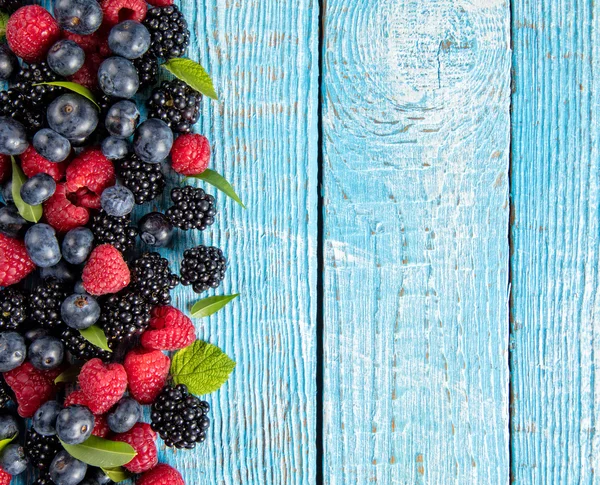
column 416, row 148
column 555, row 305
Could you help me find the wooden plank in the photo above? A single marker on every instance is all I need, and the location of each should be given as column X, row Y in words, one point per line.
column 555, row 306
column 416, row 148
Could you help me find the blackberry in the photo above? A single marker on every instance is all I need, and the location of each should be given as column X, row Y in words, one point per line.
column 80, row 348
column 113, row 230
column 10, row 6
column 124, row 316
column 179, row 417
column 203, row 268
column 169, row 31
column 147, row 68
column 31, row 74
column 40, row 449
column 177, row 104
column 14, row 307
column 152, row 279
column 46, row 299
column 14, row 104
column 44, row 480
column 193, row 209
column 145, row 180
column 6, row 394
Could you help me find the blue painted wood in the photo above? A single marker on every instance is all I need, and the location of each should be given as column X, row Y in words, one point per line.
column 416, row 148
column 555, row 306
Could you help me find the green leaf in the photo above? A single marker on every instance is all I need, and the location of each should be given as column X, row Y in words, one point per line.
column 101, row 453
column 76, row 88
column 31, row 213
column 210, row 305
column 218, row 181
column 96, row 336
column 70, row 375
column 118, row 474
column 202, row 367
column 3, row 21
column 6, row 441
column 193, row 74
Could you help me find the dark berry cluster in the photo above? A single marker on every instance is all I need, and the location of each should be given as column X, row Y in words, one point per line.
column 169, row 31
column 14, row 104
column 80, row 348
column 28, row 82
column 114, row 230
column 152, row 279
column 41, row 449
column 147, row 69
column 46, row 299
column 14, row 307
column 145, row 180
column 124, row 316
column 203, row 268
column 193, row 209
column 177, row 104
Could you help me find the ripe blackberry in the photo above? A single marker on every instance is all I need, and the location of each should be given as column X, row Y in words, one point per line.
column 46, row 299
column 80, row 348
column 14, row 307
column 152, row 279
column 14, row 104
column 113, row 230
column 40, row 449
column 124, row 316
column 6, row 394
column 147, row 68
column 29, row 75
column 203, row 268
column 145, row 180
column 177, row 104
column 169, row 31
column 44, row 480
column 193, row 209
column 10, row 6
column 179, row 417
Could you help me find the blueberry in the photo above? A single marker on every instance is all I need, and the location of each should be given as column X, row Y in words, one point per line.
column 77, row 245
column 13, row 460
column 80, row 311
column 65, row 57
column 81, row 17
column 129, row 39
column 7, row 191
column 117, row 201
column 42, row 245
column 122, row 119
column 100, row 478
column 52, row 146
column 35, row 333
column 66, row 470
column 72, row 116
column 115, row 148
column 156, row 230
column 153, row 141
column 124, row 416
column 38, row 189
column 11, row 222
column 61, row 272
column 8, row 63
column 9, row 427
column 44, row 419
column 13, row 138
column 46, row 353
column 118, row 77
column 79, row 289
column 12, row 351
column 74, row 424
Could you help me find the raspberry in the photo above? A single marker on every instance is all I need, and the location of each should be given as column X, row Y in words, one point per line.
column 5, row 478
column 190, row 154
column 5, row 167
column 160, row 3
column 103, row 385
column 31, row 31
column 147, row 372
column 161, row 474
column 62, row 214
column 33, row 163
column 76, row 398
column 32, row 387
column 105, row 272
column 15, row 263
column 101, row 428
column 86, row 76
column 116, row 11
column 169, row 329
column 91, row 170
column 143, row 440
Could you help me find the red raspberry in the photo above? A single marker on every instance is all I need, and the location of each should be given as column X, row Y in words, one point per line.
column 169, row 329
column 76, row 398
column 190, row 154
column 30, row 32
column 147, row 372
column 62, row 214
column 116, row 11
column 161, row 474
column 105, row 272
column 143, row 440
column 90, row 170
column 32, row 387
column 5, row 478
column 86, row 76
column 102, row 385
column 5, row 167
column 15, row 263
column 101, row 429
column 33, row 163
column 161, row 3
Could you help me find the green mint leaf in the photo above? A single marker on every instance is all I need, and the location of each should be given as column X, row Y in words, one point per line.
column 31, row 213
column 202, row 367
column 210, row 305
column 118, row 474
column 193, row 74
column 101, row 453
column 3, row 21
column 96, row 336
column 70, row 375
column 6, row 441
column 76, row 88
column 218, row 181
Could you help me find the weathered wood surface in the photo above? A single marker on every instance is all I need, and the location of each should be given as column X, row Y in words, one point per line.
column 555, row 307
column 416, row 151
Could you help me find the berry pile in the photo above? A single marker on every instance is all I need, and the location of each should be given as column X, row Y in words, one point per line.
column 80, row 303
